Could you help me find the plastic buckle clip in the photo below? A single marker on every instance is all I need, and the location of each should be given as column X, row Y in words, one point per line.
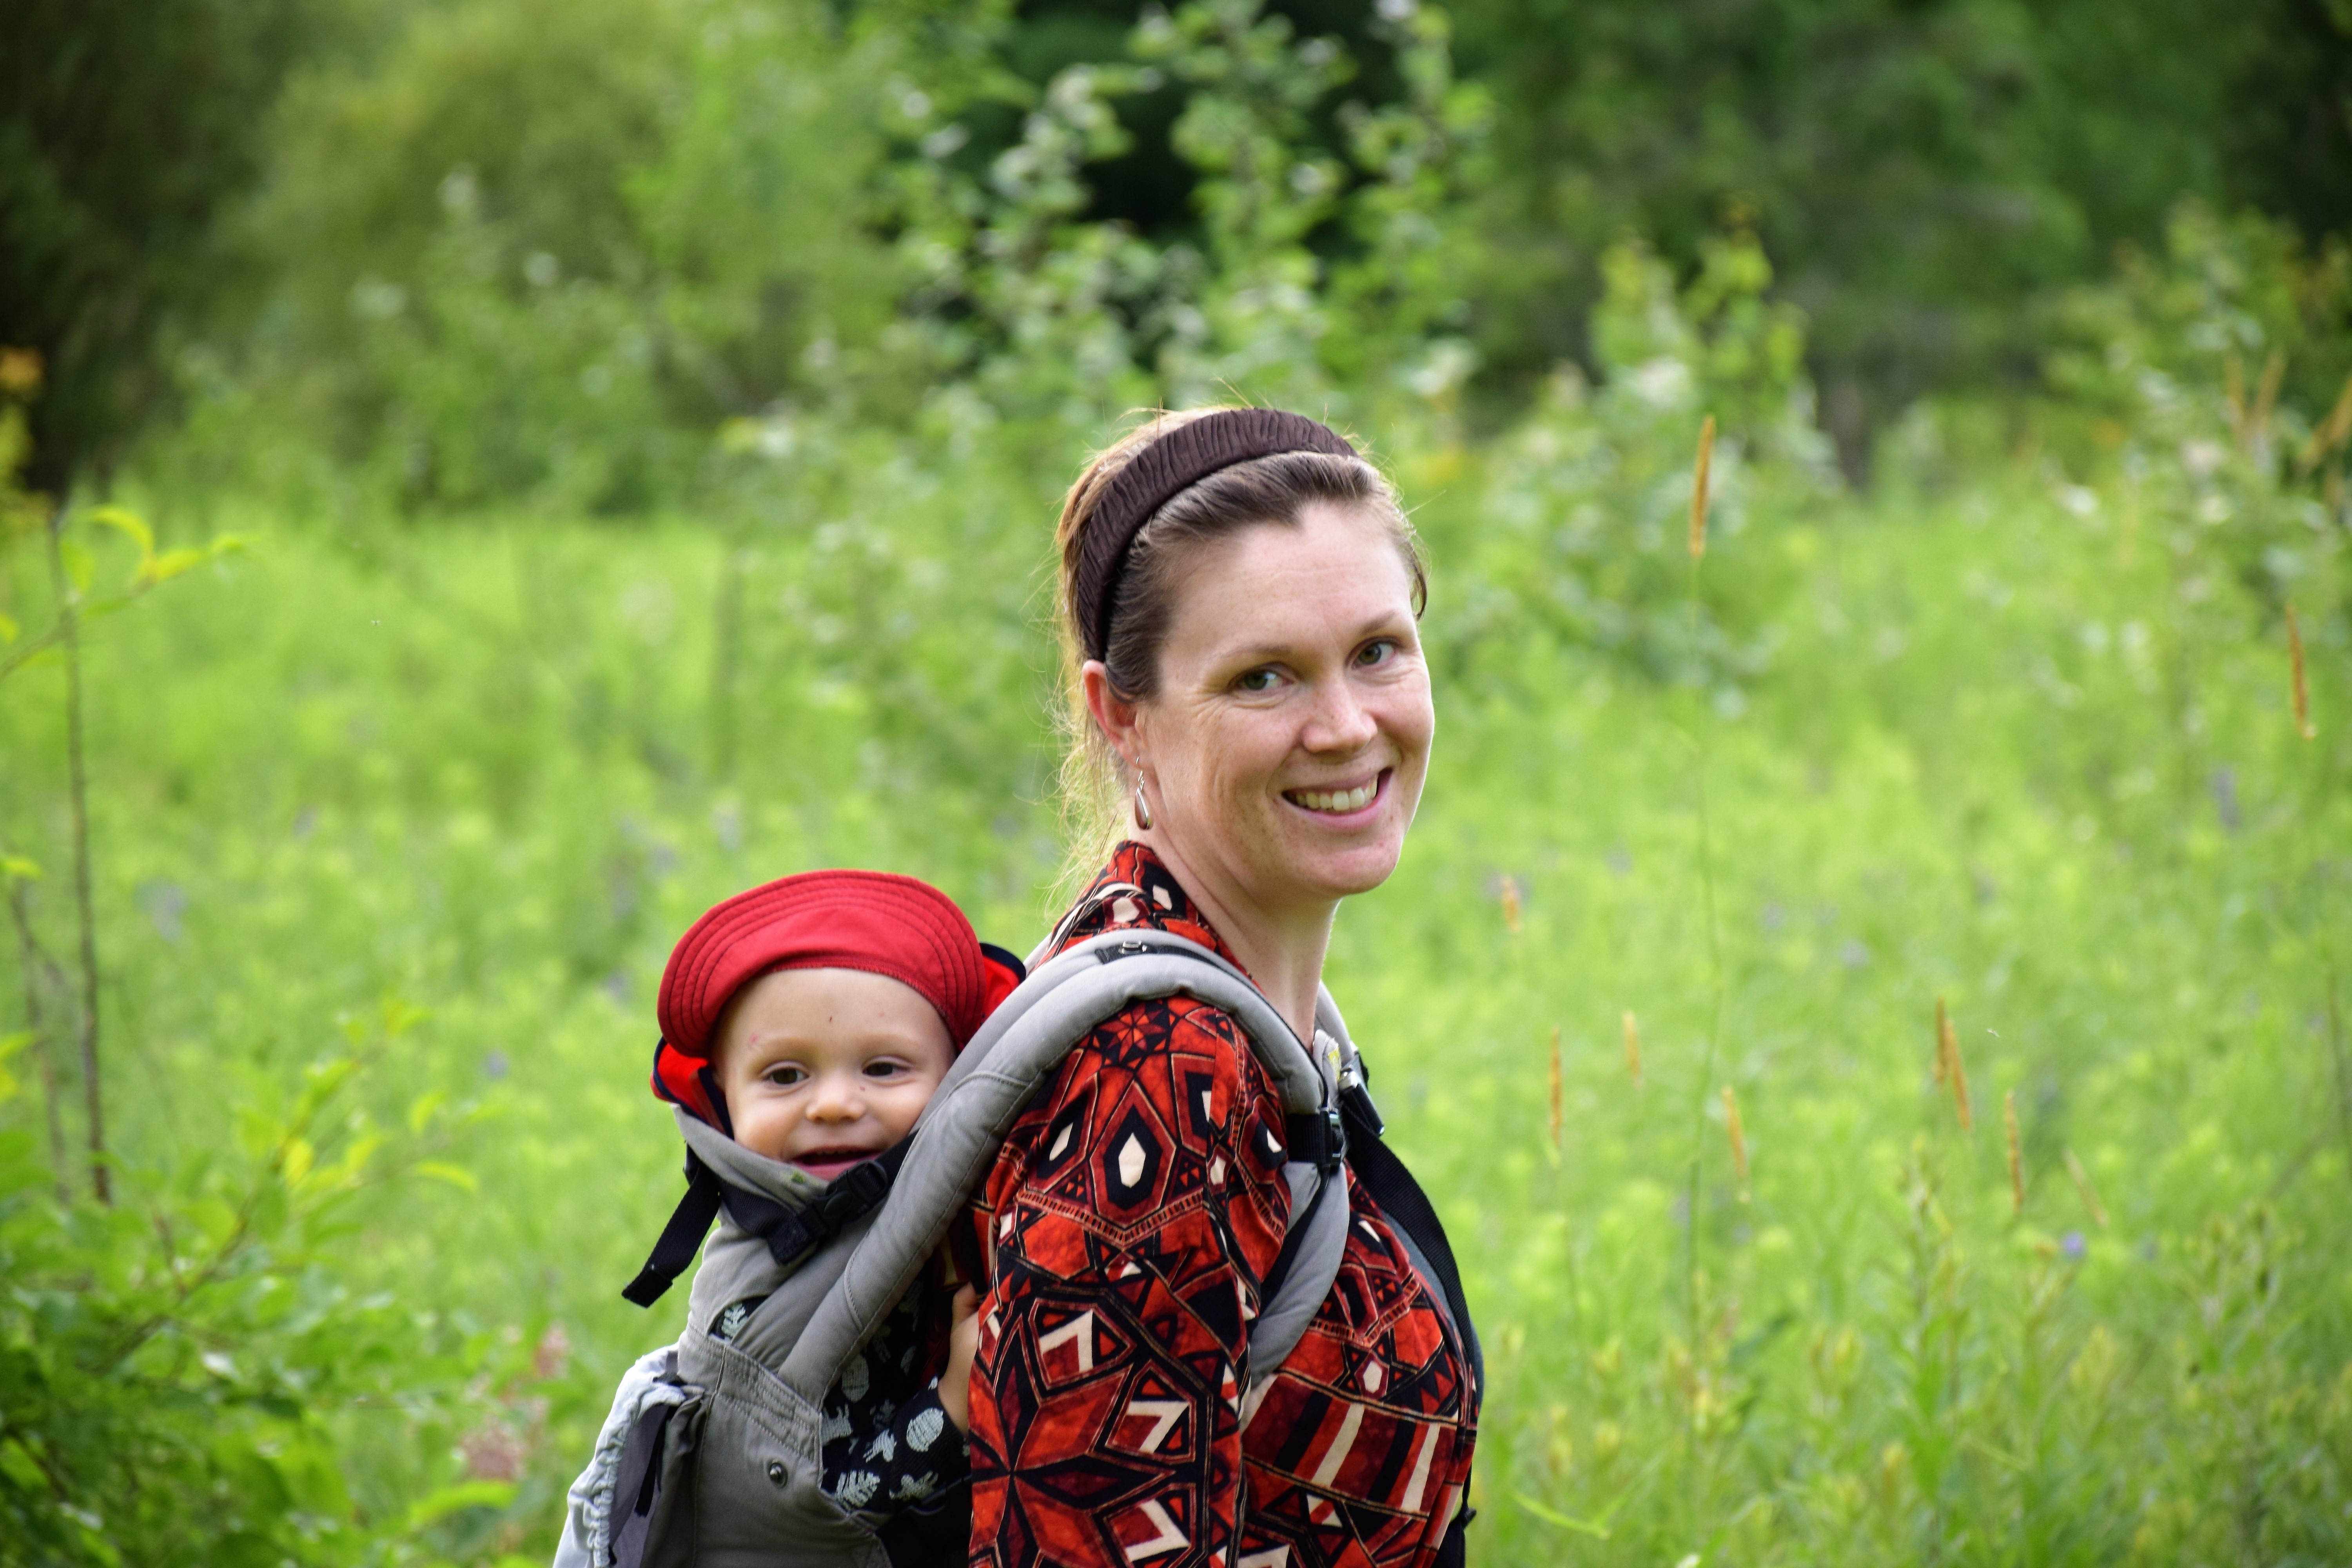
column 1335, row 1140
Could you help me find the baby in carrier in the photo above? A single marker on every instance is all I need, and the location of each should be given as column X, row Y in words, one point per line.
column 808, row 1022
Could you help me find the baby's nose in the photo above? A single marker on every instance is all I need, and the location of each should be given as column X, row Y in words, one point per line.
column 837, row 1100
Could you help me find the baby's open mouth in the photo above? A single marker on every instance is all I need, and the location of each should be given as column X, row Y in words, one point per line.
column 827, row 1163
column 1338, row 801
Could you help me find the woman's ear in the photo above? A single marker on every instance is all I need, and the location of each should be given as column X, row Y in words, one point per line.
column 1114, row 715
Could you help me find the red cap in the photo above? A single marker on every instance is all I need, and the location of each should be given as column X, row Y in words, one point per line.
column 872, row 920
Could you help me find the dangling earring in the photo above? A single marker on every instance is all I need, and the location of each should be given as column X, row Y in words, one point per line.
column 1142, row 807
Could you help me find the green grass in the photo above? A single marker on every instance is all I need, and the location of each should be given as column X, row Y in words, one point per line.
column 1986, row 741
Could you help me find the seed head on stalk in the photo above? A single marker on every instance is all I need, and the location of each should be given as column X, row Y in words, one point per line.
column 1739, row 1137
column 2083, row 1185
column 1511, row 904
column 1632, row 1048
column 1957, row 1068
column 2016, row 1152
column 1557, row 1148
column 1943, row 1045
column 2329, row 433
column 1698, row 488
column 2303, row 723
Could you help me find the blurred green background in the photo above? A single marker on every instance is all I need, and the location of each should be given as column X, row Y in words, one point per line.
column 484, row 481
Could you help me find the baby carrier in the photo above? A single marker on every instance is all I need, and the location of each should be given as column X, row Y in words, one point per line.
column 711, row 1456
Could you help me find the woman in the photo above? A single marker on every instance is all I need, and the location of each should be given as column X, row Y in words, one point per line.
column 1239, row 592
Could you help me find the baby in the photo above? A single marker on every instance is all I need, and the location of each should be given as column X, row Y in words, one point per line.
column 811, row 1020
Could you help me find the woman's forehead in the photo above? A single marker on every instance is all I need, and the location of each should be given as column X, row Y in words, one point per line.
column 1334, row 574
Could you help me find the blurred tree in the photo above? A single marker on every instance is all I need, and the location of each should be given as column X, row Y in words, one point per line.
column 125, row 125
column 1922, row 173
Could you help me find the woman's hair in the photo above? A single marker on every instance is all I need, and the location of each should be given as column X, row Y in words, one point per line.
column 1262, row 490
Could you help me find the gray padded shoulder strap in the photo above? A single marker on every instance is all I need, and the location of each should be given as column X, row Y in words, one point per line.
column 1014, row 1054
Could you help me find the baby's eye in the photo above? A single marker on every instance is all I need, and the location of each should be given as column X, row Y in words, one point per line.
column 884, row 1069
column 786, row 1075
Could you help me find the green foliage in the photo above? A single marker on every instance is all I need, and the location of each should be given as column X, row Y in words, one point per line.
column 187, row 1376
column 1996, row 732
column 125, row 128
column 2012, row 728
column 1926, row 177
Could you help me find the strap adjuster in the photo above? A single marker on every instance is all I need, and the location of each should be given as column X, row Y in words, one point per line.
column 856, row 1190
column 1319, row 1138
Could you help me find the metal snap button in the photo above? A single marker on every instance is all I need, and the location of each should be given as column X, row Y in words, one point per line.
column 776, row 1471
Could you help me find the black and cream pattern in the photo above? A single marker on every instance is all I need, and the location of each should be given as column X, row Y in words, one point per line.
column 887, row 1443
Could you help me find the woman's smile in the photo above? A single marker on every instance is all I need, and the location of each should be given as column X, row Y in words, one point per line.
column 1343, row 805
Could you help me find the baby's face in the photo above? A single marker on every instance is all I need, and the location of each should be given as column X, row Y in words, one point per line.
column 824, row 1068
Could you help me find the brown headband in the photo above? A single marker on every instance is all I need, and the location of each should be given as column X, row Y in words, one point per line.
column 1154, row 476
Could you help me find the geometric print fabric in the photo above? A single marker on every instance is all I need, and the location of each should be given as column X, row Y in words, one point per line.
column 1133, row 1209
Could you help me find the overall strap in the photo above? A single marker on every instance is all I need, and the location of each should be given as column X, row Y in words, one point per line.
column 1415, row 1220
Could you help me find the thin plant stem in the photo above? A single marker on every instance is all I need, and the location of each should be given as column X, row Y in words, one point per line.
column 77, row 803
column 1714, row 1007
column 1699, row 477
column 36, row 963
column 726, row 658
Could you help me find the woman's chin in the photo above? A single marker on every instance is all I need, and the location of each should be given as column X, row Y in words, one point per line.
column 1340, row 870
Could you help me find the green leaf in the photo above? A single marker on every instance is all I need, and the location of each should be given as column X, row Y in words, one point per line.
column 77, row 564
column 439, row 1505
column 18, row 866
column 9, row 1046
column 9, row 631
column 1553, row 1516
column 128, row 522
column 400, row 1016
column 422, row 1111
column 170, row 564
column 456, row 1175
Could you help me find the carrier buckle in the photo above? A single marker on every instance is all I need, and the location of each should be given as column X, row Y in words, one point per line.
column 856, row 1191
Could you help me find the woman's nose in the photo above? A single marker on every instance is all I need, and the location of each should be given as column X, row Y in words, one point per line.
column 1340, row 720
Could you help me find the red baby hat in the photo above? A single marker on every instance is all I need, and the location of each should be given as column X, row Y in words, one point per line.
column 873, row 920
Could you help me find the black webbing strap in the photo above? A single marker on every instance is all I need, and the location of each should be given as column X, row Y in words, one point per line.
column 1292, row 1241
column 1319, row 1139
column 681, row 1238
column 1316, row 1137
column 790, row 1234
column 637, row 1483
column 1399, row 1197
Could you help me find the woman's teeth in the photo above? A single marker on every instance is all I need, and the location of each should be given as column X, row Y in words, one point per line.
column 1336, row 800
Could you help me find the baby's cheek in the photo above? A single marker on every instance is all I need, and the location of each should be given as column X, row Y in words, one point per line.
column 766, row 1130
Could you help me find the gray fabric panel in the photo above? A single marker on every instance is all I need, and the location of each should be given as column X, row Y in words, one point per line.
column 770, row 1332
column 788, row 1184
column 959, row 1133
column 1282, row 1321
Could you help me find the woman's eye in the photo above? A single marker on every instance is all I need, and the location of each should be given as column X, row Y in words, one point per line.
column 1378, row 652
column 1257, row 680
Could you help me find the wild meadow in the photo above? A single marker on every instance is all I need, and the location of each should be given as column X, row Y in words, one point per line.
column 1867, row 988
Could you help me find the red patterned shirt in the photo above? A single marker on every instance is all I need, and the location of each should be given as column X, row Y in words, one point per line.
column 1133, row 1209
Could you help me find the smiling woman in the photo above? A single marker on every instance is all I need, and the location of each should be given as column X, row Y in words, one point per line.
column 1241, row 594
